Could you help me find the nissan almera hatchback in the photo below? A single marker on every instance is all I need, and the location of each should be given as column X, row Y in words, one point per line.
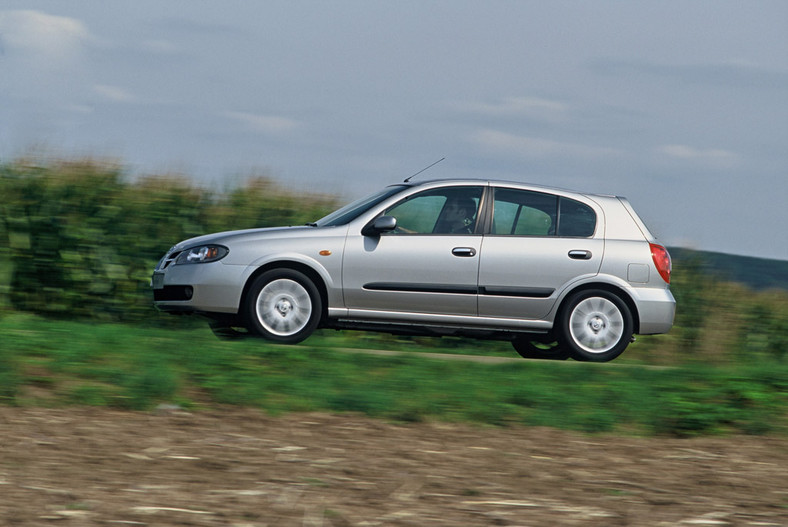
column 558, row 273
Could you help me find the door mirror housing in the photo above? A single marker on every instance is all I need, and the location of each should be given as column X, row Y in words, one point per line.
column 379, row 225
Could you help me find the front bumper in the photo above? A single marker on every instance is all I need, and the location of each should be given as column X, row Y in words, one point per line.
column 199, row 288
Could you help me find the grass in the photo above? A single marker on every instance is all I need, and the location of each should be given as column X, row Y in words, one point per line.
column 58, row 363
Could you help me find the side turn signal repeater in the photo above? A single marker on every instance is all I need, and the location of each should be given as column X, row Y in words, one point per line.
column 325, row 252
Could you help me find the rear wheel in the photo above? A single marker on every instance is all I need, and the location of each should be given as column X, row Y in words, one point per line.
column 595, row 326
column 283, row 305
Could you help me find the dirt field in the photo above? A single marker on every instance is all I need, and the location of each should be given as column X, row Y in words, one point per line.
column 75, row 467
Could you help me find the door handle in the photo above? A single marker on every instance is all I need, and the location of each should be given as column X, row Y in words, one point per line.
column 464, row 251
column 580, row 254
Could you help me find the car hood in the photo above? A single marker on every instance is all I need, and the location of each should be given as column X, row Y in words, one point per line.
column 227, row 237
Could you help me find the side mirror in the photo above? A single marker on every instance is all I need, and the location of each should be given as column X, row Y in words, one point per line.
column 379, row 225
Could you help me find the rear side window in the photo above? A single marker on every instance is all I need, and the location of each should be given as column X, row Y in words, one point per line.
column 575, row 218
column 526, row 213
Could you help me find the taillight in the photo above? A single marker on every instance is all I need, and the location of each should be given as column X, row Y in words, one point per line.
column 661, row 259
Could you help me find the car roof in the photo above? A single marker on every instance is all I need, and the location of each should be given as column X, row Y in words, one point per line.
column 500, row 182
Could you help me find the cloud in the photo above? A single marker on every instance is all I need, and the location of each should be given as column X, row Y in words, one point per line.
column 267, row 124
column 161, row 46
column 711, row 157
column 532, row 107
column 515, row 106
column 526, row 146
column 113, row 93
column 735, row 73
column 49, row 41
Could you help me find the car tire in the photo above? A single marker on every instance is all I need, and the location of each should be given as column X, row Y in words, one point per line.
column 283, row 305
column 528, row 348
column 595, row 326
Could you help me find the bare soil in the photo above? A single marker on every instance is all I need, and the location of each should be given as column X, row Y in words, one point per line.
column 80, row 467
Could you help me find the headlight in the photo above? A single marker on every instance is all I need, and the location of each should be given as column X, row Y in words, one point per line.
column 202, row 254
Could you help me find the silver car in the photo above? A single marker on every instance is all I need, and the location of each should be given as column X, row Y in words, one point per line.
column 558, row 273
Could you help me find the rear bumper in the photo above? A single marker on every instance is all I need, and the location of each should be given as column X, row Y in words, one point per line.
column 656, row 310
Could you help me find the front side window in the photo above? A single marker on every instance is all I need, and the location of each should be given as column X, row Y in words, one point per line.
column 452, row 210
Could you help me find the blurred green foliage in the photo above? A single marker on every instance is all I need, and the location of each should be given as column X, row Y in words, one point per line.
column 756, row 273
column 718, row 322
column 79, row 239
column 124, row 366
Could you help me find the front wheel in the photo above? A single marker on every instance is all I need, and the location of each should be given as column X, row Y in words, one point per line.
column 283, row 305
column 595, row 326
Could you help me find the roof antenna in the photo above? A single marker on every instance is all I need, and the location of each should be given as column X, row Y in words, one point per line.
column 423, row 169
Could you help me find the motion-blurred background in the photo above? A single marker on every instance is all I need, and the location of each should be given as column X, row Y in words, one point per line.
column 127, row 127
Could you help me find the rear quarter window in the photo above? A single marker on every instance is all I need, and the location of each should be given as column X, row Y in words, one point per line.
column 575, row 219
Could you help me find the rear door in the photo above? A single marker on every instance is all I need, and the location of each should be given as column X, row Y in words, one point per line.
column 538, row 243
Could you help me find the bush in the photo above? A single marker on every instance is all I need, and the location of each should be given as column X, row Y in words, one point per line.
column 79, row 240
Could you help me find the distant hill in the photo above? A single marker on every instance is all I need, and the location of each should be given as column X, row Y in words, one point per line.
column 757, row 273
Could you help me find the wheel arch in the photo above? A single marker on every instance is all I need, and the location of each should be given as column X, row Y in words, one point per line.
column 303, row 268
column 610, row 288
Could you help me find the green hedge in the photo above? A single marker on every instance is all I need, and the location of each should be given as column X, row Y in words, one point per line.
column 79, row 239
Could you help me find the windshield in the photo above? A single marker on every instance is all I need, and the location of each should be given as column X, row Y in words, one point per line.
column 352, row 211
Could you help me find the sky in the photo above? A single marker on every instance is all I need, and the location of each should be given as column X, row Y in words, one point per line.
column 681, row 106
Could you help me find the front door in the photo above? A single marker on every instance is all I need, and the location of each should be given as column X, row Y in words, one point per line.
column 429, row 264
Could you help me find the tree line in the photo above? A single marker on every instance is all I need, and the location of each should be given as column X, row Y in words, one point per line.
column 79, row 239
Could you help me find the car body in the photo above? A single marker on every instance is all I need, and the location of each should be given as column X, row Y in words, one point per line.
column 559, row 273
